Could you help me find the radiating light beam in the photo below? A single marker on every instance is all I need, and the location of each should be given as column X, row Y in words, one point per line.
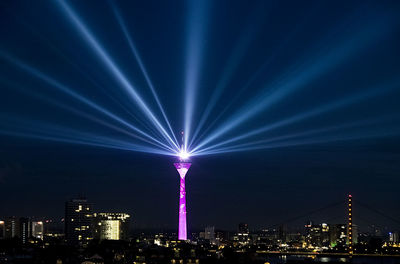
column 99, row 142
column 231, row 65
column 381, row 134
column 80, row 114
column 195, row 32
column 348, row 100
column 319, row 131
column 79, row 97
column 46, row 131
column 275, row 93
column 260, row 71
column 142, row 68
column 119, row 76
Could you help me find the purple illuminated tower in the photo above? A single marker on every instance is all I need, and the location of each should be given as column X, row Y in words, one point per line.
column 182, row 168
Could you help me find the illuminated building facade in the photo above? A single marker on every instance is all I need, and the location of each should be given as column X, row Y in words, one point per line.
column 182, row 168
column 394, row 237
column 78, row 222
column 37, row 229
column 111, row 226
column 325, row 235
column 243, row 234
column 24, row 228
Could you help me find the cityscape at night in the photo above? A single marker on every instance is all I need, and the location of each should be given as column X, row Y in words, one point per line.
column 199, row 131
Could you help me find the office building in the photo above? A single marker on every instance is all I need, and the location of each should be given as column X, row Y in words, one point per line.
column 2, row 229
column 394, row 237
column 25, row 229
column 11, row 225
column 111, row 226
column 209, row 234
column 78, row 222
column 37, row 229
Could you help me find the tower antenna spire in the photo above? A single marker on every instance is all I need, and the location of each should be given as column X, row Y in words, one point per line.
column 182, row 143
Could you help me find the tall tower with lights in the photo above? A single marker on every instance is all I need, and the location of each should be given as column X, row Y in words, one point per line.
column 350, row 224
column 182, row 167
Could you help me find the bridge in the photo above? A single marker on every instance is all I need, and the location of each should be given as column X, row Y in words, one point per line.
column 350, row 231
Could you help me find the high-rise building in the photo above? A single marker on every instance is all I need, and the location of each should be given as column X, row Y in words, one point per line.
column 111, row 226
column 78, row 222
column 337, row 234
column 209, row 234
column 37, row 229
column 394, row 237
column 313, row 235
column 2, row 229
column 283, row 231
column 25, row 229
column 11, row 227
column 243, row 234
column 355, row 234
column 325, row 237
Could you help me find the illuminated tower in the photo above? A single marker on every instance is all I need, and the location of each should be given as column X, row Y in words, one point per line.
column 350, row 226
column 182, row 167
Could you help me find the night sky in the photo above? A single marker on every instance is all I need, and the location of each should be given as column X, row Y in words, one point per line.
column 328, row 72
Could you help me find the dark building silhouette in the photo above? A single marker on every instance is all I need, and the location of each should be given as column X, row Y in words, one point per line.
column 2, row 229
column 25, row 229
column 243, row 228
column 78, row 222
column 11, row 227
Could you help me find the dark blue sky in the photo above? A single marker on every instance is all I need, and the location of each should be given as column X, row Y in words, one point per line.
column 333, row 65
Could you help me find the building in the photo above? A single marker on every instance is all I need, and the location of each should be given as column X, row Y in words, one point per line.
column 78, row 222
column 37, row 229
column 313, row 235
column 111, row 226
column 25, row 229
column 394, row 237
column 221, row 237
column 355, row 234
column 326, row 235
column 283, row 233
column 243, row 235
column 2, row 229
column 209, row 234
column 337, row 234
column 11, row 227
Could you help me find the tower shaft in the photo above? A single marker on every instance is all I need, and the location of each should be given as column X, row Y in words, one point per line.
column 182, row 168
column 182, row 232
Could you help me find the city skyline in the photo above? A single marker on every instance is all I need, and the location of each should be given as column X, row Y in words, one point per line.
column 283, row 107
